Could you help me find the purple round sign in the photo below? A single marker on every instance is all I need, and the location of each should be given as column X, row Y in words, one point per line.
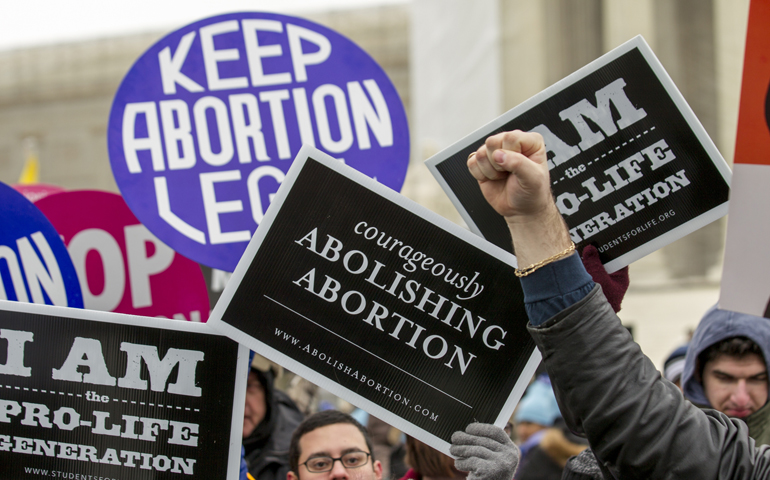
column 35, row 266
column 208, row 120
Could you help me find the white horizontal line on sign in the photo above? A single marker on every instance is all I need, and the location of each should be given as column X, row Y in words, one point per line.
column 367, row 351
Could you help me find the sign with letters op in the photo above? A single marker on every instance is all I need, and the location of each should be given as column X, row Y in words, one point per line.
column 205, row 124
column 381, row 302
column 631, row 167
column 122, row 267
column 86, row 394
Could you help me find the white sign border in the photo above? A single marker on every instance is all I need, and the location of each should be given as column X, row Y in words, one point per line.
column 239, row 393
column 215, row 319
column 743, row 288
column 695, row 125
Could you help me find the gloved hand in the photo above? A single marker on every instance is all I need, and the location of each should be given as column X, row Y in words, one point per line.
column 614, row 285
column 583, row 467
column 485, row 451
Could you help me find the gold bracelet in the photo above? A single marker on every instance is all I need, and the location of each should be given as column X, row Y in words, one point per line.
column 523, row 272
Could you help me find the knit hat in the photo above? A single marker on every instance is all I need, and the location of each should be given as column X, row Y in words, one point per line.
column 674, row 366
column 538, row 404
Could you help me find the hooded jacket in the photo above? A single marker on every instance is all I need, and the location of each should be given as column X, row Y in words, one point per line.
column 715, row 326
column 267, row 448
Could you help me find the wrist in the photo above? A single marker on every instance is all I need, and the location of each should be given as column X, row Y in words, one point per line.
column 538, row 236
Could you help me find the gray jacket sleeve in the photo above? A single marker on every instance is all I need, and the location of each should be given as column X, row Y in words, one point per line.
column 637, row 423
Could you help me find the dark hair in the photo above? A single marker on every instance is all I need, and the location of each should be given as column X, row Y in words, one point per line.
column 736, row 347
column 427, row 461
column 318, row 420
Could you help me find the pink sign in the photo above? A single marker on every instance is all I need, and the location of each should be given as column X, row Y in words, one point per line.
column 37, row 191
column 122, row 267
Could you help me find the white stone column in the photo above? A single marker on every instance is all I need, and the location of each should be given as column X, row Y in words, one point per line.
column 625, row 19
column 730, row 22
column 455, row 71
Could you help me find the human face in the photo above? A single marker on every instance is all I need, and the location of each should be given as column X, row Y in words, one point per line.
column 334, row 441
column 254, row 411
column 735, row 386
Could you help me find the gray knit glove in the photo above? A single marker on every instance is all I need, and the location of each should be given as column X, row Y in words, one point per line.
column 485, row 451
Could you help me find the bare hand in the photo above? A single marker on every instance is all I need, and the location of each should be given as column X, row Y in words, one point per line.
column 512, row 171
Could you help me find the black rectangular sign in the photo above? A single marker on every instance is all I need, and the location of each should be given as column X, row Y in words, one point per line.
column 631, row 167
column 382, row 302
column 89, row 395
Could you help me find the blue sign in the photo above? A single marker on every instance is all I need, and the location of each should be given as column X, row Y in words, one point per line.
column 34, row 264
column 207, row 122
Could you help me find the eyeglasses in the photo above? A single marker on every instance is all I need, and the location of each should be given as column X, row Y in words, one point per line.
column 325, row 464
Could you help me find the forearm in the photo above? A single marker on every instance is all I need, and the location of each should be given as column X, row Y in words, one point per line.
column 555, row 285
column 538, row 236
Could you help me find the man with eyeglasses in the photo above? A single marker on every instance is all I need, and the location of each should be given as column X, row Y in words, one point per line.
column 333, row 445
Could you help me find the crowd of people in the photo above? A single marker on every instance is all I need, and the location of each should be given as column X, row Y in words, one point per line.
column 596, row 409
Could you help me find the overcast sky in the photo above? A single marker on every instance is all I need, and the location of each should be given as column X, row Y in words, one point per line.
column 26, row 23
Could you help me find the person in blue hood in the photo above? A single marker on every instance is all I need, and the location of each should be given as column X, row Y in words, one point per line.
column 726, row 368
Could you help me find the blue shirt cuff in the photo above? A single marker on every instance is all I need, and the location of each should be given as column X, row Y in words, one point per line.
column 554, row 287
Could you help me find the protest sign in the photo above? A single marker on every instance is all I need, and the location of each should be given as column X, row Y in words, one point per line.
column 631, row 167
column 122, row 267
column 746, row 277
column 103, row 395
column 34, row 263
column 205, row 124
column 381, row 302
